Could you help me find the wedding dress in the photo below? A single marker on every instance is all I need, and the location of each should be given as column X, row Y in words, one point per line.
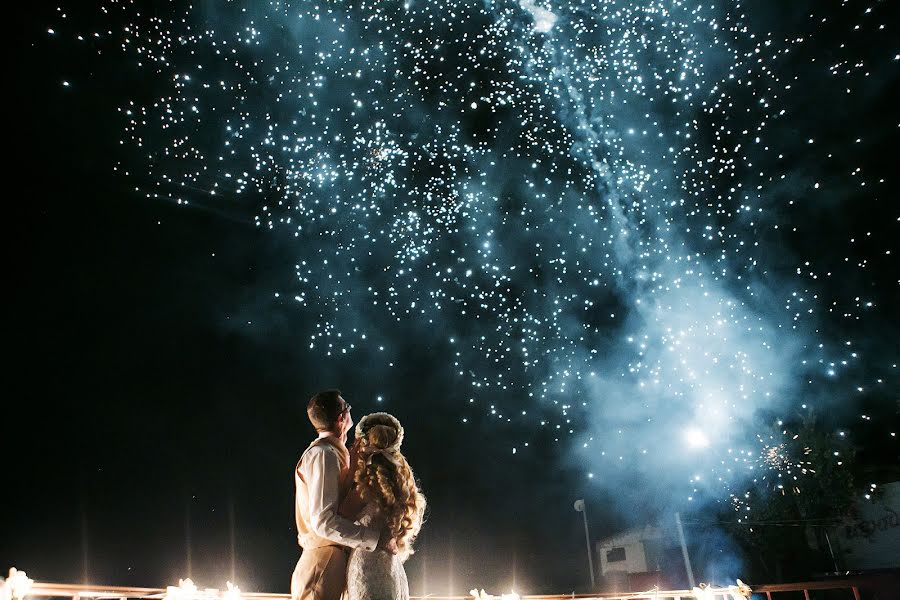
column 375, row 575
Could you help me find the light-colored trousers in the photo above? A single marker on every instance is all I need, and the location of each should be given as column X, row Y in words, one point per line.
column 320, row 574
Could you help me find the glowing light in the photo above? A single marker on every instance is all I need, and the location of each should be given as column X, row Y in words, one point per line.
column 188, row 590
column 695, row 438
column 232, row 592
column 740, row 591
column 16, row 586
column 482, row 595
column 185, row 590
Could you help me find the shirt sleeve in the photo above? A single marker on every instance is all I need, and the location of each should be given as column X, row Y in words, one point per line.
column 322, row 469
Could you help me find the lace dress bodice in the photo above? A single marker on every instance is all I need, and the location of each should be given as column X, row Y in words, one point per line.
column 375, row 575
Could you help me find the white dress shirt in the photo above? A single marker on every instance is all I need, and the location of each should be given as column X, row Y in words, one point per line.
column 317, row 480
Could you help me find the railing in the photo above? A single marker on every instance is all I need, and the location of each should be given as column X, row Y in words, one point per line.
column 847, row 584
column 851, row 585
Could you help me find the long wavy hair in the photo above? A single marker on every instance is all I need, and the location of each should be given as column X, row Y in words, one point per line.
column 384, row 476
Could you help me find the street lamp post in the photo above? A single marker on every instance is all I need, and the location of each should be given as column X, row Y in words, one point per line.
column 579, row 506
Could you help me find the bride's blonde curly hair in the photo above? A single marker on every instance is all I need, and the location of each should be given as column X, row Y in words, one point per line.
column 383, row 476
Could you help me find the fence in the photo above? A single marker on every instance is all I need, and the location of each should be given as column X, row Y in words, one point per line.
column 888, row 583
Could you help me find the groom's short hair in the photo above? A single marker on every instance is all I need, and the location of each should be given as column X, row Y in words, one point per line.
column 324, row 409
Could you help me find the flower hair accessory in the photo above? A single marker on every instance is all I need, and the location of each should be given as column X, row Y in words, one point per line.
column 381, row 418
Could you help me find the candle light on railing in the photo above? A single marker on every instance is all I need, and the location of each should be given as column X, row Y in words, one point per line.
column 741, row 591
column 16, row 586
column 188, row 590
column 232, row 593
column 482, row 595
column 185, row 590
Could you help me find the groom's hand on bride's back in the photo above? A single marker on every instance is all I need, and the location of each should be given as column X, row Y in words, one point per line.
column 387, row 542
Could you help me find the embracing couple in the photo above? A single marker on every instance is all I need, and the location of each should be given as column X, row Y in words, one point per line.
column 358, row 510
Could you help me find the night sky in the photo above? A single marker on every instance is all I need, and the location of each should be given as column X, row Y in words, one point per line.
column 580, row 249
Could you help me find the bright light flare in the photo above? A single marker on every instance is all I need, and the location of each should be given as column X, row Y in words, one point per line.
column 482, row 595
column 695, row 438
column 16, row 586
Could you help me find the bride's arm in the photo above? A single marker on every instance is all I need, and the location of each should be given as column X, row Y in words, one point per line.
column 352, row 504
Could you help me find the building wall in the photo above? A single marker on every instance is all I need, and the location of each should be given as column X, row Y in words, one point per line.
column 870, row 539
column 631, row 544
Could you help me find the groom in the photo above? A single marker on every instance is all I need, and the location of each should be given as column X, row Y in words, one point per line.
column 321, row 572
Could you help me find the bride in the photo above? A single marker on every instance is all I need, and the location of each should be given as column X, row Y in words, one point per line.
column 382, row 494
